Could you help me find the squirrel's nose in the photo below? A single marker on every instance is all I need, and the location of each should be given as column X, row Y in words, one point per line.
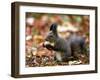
column 46, row 39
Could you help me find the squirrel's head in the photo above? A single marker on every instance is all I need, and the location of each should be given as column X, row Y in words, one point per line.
column 52, row 36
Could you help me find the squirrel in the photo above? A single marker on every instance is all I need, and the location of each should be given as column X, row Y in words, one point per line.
column 65, row 48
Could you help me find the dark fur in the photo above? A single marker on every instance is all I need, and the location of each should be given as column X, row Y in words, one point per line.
column 68, row 47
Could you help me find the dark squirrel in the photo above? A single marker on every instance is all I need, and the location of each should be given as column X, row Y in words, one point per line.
column 65, row 48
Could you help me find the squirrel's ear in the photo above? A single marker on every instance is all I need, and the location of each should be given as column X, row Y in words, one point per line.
column 53, row 28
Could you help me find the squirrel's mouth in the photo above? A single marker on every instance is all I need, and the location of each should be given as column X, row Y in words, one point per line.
column 49, row 45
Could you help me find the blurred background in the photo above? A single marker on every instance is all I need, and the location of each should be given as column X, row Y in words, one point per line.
column 37, row 27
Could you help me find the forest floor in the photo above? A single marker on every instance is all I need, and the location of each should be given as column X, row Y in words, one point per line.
column 36, row 61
